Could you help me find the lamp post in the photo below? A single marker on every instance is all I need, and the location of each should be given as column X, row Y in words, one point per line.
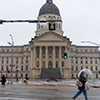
column 12, row 44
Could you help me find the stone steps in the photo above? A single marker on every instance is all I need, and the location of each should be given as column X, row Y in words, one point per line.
column 46, row 73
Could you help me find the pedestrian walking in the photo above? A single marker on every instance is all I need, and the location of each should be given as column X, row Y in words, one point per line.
column 3, row 80
column 82, row 80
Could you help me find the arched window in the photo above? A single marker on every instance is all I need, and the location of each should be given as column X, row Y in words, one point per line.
column 62, row 52
column 56, row 53
column 43, row 53
column 56, row 64
column 37, row 53
column 50, row 53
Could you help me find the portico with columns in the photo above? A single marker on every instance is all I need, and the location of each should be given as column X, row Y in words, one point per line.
column 47, row 52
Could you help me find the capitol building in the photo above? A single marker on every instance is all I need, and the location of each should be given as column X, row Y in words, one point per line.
column 43, row 57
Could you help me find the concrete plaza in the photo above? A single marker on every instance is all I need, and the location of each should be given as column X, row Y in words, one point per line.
column 44, row 92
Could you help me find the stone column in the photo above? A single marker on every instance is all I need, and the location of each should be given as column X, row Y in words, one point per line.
column 59, row 63
column 40, row 62
column 54, row 57
column 34, row 58
column 46, row 58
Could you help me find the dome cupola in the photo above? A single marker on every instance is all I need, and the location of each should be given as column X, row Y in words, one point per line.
column 49, row 8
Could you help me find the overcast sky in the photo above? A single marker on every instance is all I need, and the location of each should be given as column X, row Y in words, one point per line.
column 81, row 20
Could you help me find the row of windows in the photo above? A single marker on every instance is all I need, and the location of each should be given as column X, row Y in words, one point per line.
column 50, row 53
column 73, row 76
column 86, row 62
column 17, row 50
column 76, row 68
column 50, row 63
column 81, row 50
column 56, row 26
column 16, row 57
column 16, row 61
column 2, row 68
column 83, row 57
column 49, row 17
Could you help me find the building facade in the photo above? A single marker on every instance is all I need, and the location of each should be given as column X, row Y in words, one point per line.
column 45, row 52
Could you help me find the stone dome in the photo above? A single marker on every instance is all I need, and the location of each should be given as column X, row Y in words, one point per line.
column 49, row 8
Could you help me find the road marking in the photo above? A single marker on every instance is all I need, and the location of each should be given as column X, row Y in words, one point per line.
column 10, row 98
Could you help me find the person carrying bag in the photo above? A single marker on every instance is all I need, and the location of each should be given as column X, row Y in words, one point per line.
column 81, row 83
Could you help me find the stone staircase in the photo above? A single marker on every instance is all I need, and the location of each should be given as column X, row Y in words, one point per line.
column 46, row 73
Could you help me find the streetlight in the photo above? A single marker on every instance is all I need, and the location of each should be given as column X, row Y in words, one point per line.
column 12, row 44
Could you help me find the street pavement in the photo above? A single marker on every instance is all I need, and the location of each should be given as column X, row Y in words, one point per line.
column 44, row 92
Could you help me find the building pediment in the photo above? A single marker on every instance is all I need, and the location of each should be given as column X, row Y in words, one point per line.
column 50, row 36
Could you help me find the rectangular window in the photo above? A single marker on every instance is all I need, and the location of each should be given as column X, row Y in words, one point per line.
column 71, row 61
column 2, row 61
column 26, row 67
column 72, row 68
column 2, row 68
column 76, row 68
column 56, row 64
column 96, row 62
column 91, row 62
column 16, row 67
column 21, row 68
column 16, row 61
column 26, row 61
column 96, row 68
column 7, row 50
column 56, row 54
column 26, row 49
column 91, row 68
column 6, row 67
column 3, row 50
column 81, row 62
column 71, row 49
column 86, row 50
column 62, row 64
column 7, row 61
column 81, row 67
column 21, row 75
